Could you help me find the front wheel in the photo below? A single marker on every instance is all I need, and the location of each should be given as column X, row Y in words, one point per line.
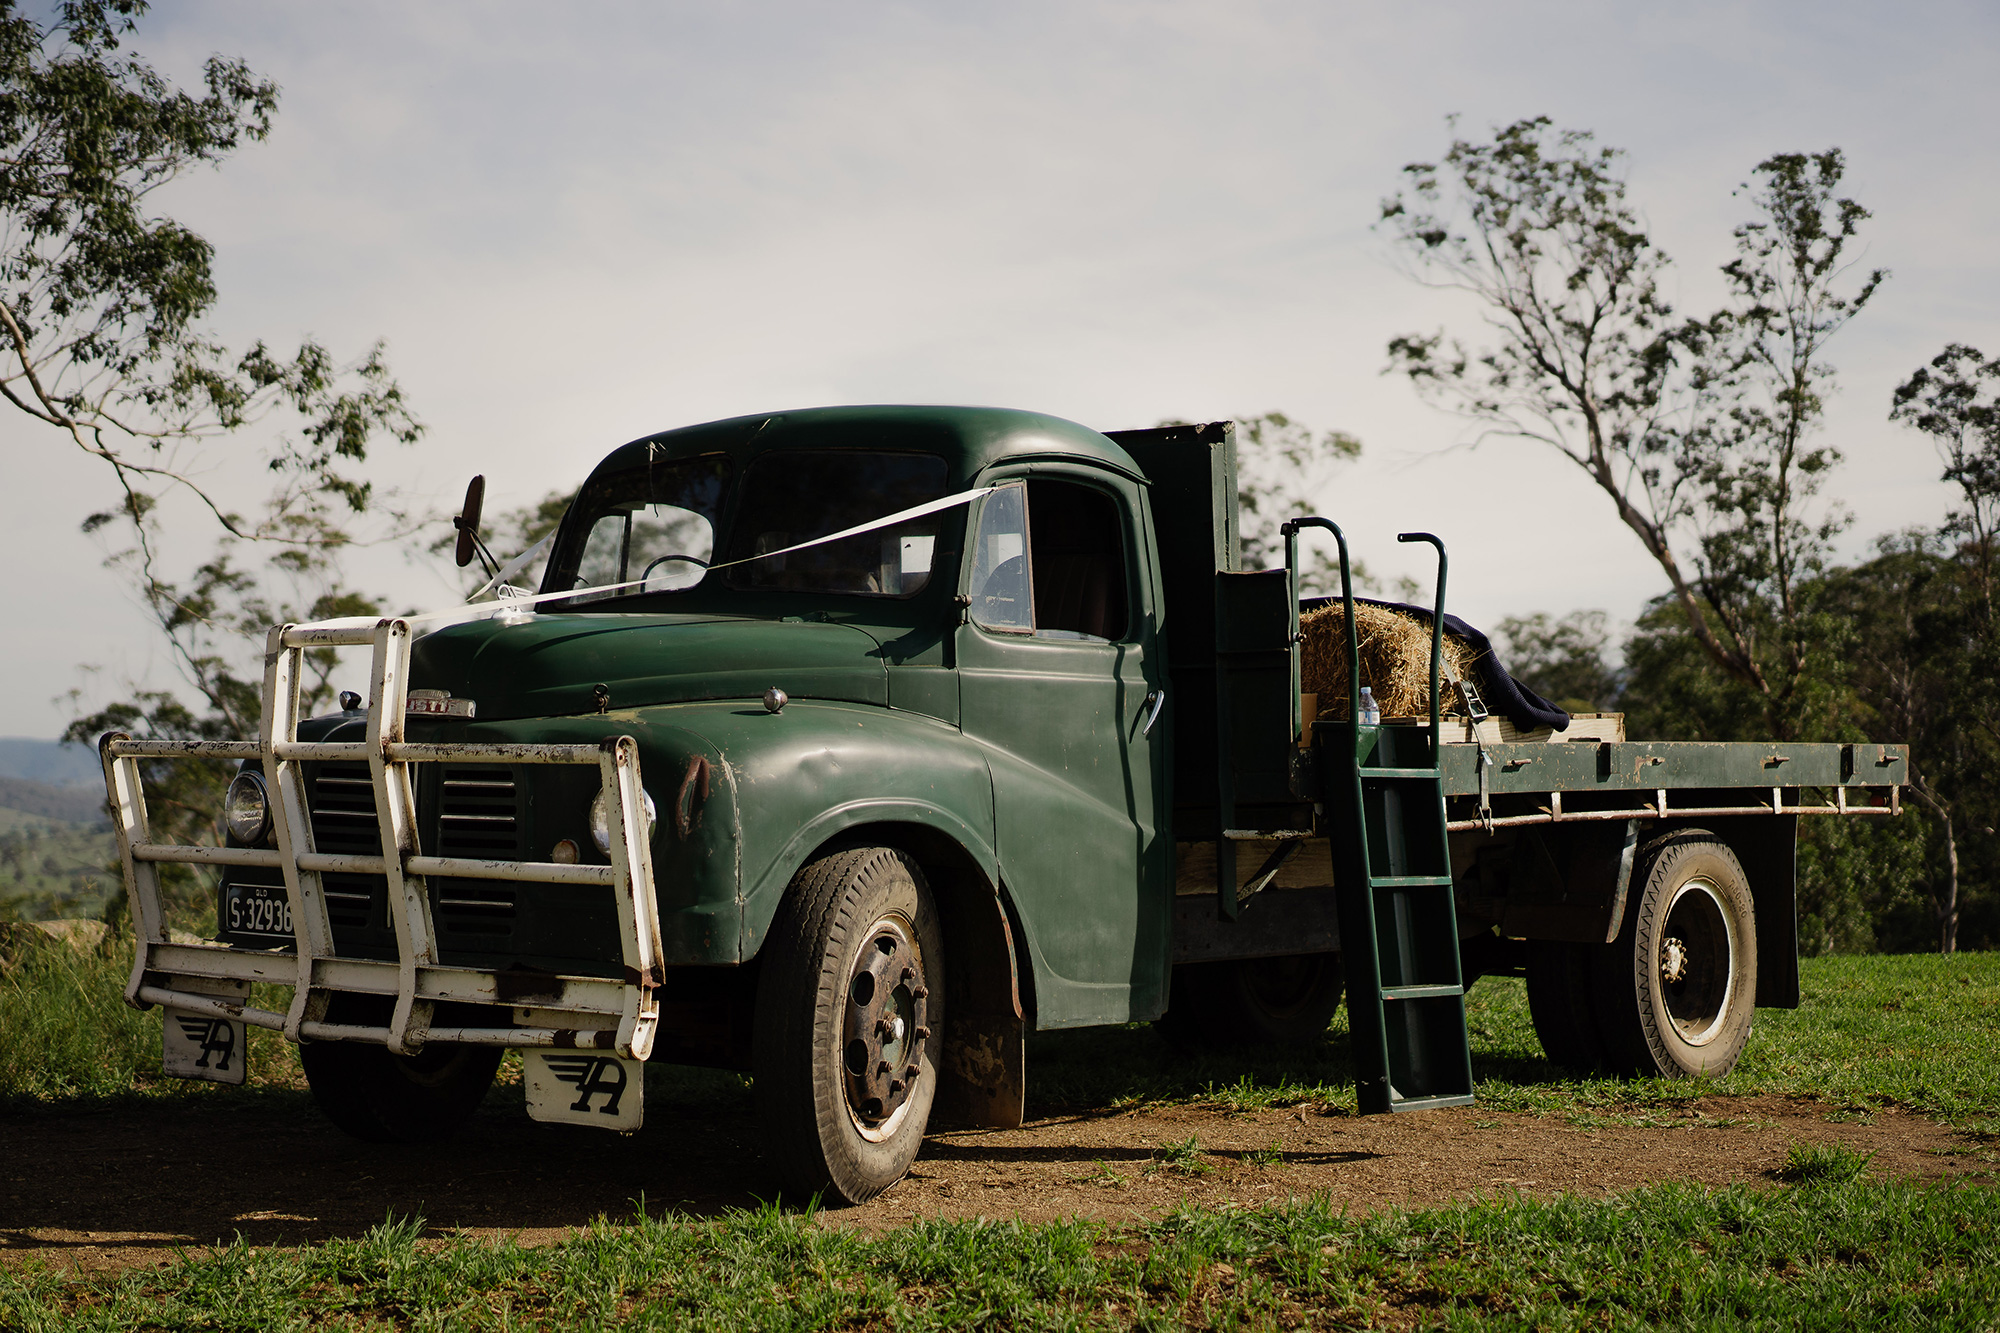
column 381, row 1097
column 1677, row 992
column 850, row 992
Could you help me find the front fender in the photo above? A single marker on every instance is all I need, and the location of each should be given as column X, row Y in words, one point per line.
column 780, row 785
column 816, row 770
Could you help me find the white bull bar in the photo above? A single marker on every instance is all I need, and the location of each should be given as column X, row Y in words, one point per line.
column 568, row 1011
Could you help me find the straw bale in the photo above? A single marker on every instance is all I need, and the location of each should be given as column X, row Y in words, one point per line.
column 1395, row 650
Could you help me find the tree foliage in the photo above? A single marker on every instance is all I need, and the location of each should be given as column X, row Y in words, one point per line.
column 1562, row 659
column 102, row 341
column 1699, row 432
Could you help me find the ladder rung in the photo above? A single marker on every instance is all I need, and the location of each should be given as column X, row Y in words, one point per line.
column 1430, row 774
column 1409, row 881
column 1420, row 992
column 1431, row 1103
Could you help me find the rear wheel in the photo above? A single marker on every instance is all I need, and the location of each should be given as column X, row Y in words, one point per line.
column 381, row 1097
column 850, row 990
column 1676, row 994
column 1287, row 1001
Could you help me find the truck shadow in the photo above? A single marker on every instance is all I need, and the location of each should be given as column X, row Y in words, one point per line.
column 159, row 1172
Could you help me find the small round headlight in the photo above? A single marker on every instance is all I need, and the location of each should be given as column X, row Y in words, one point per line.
column 247, row 809
column 600, row 819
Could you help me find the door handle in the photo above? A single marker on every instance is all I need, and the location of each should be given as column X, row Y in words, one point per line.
column 1158, row 700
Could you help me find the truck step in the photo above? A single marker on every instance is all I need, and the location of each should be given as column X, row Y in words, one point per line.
column 1420, row 992
column 1400, row 1104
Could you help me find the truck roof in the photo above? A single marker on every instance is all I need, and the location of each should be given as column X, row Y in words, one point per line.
column 968, row 438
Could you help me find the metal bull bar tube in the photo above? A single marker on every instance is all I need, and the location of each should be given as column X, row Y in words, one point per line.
column 595, row 1012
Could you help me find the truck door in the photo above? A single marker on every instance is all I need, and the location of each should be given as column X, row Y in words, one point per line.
column 1057, row 671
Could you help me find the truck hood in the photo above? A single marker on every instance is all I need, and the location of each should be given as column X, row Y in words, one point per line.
column 551, row 665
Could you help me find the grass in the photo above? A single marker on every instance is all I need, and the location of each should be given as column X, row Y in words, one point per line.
column 1823, row 1164
column 67, row 1037
column 1915, row 1031
column 1833, row 1249
column 1837, row 1255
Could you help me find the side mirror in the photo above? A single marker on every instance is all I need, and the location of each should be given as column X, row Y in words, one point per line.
column 467, row 521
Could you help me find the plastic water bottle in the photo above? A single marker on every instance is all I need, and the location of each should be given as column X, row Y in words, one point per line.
column 1371, row 714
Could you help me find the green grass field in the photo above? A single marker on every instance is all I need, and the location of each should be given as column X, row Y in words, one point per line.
column 1836, row 1248
column 1831, row 1256
column 1918, row 1031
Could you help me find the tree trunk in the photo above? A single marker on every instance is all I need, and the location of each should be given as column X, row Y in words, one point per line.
column 1947, row 908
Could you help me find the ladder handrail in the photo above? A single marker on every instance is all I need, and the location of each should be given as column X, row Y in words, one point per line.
column 1437, row 627
column 1290, row 530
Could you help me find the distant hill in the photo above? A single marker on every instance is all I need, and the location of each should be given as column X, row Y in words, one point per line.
column 52, row 762
column 72, row 805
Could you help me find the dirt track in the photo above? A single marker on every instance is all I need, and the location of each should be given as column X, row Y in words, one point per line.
column 116, row 1189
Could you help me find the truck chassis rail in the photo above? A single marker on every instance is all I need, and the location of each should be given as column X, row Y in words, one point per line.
column 561, row 1011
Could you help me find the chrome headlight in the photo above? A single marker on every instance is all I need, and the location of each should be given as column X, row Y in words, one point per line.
column 247, row 809
column 600, row 819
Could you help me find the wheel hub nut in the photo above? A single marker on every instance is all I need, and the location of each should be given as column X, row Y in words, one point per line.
column 1673, row 960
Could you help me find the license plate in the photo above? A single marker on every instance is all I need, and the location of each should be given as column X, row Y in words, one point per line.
column 257, row 909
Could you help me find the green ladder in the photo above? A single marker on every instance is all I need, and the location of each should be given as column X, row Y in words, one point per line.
column 1392, row 875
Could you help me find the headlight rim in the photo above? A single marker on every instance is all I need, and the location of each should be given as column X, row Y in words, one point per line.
column 248, row 778
column 600, row 819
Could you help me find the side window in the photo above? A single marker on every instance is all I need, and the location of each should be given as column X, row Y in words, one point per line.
column 1078, row 557
column 1001, row 590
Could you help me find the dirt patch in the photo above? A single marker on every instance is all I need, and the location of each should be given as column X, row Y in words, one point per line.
column 115, row 1190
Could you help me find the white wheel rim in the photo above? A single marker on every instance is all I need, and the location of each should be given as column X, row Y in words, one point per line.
column 1694, row 965
column 899, row 928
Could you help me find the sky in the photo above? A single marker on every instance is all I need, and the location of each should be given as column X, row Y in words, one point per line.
column 574, row 227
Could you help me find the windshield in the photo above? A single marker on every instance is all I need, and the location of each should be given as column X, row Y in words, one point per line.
column 793, row 496
column 655, row 522
column 659, row 523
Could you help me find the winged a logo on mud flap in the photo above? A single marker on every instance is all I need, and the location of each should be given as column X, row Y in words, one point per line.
column 591, row 1076
column 215, row 1036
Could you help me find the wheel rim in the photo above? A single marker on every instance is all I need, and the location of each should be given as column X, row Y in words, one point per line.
column 883, row 1026
column 1696, row 962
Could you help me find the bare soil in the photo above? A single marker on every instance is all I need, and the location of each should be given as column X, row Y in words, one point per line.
column 130, row 1187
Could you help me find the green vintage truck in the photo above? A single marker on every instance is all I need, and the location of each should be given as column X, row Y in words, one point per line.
column 849, row 746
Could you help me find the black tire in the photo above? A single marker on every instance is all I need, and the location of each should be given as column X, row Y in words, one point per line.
column 1676, row 995
column 850, row 988
column 1560, row 1001
column 1287, row 1001
column 381, row 1097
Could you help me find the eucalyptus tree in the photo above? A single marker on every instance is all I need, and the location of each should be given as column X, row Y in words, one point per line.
column 1699, row 432
column 103, row 346
column 102, row 340
column 1935, row 683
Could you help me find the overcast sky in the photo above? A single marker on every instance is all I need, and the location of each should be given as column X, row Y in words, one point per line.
column 575, row 226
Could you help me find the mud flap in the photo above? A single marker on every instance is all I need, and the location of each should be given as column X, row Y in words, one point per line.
column 212, row 1047
column 585, row 1088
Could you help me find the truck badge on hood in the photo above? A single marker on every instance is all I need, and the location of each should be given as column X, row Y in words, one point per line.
column 438, row 703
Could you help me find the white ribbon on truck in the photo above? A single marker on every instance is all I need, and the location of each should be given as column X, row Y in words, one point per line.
column 480, row 610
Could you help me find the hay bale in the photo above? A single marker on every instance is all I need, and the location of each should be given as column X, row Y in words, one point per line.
column 1395, row 651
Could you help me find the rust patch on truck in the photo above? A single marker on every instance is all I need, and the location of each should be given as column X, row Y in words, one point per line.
column 527, row 986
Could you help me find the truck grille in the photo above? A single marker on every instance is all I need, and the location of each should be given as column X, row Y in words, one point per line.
column 476, row 814
column 478, row 817
column 342, row 801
